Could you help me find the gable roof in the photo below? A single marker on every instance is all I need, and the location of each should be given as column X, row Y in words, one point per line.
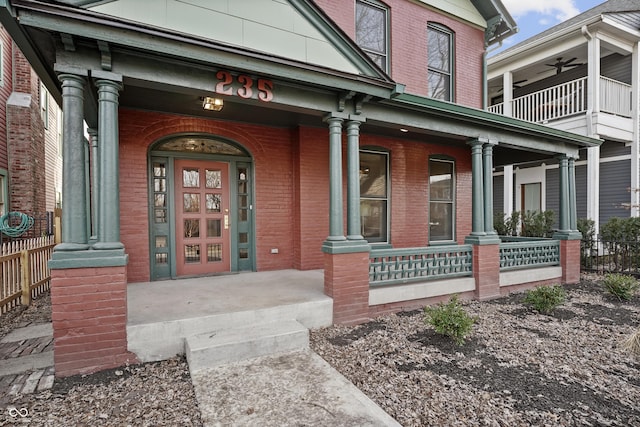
column 626, row 12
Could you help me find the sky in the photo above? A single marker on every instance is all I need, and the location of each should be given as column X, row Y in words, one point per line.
column 535, row 16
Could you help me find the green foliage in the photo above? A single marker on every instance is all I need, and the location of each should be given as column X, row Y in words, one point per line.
column 450, row 319
column 506, row 226
column 621, row 286
column 587, row 227
column 621, row 240
column 545, row 298
column 537, row 224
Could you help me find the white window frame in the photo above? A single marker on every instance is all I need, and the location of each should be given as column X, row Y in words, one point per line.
column 451, row 200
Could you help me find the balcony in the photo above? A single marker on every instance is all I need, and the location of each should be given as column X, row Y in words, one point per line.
column 568, row 100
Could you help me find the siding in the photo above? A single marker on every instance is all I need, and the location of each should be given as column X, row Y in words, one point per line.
column 581, row 191
column 613, row 149
column 616, row 67
column 614, row 184
column 498, row 194
column 553, row 194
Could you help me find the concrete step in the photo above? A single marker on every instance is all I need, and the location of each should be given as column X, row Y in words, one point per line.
column 161, row 340
column 233, row 344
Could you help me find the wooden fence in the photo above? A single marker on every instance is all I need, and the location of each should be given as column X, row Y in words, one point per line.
column 24, row 273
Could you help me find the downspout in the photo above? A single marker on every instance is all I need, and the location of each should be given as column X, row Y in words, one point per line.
column 485, row 90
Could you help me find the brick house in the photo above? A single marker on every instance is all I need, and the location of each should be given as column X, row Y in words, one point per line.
column 265, row 135
column 30, row 159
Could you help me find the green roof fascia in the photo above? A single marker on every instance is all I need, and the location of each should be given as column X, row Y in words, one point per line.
column 469, row 114
column 91, row 25
column 23, row 41
column 500, row 23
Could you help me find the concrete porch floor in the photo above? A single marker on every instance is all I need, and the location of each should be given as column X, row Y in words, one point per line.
column 162, row 313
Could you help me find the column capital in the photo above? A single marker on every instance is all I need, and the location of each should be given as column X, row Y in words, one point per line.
column 477, row 142
column 357, row 118
column 335, row 117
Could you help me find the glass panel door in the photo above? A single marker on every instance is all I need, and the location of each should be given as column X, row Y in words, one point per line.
column 160, row 242
column 202, row 217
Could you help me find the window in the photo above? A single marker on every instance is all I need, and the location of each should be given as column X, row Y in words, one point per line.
column 372, row 31
column 440, row 62
column 374, row 196
column 441, row 197
column 44, row 105
column 531, row 197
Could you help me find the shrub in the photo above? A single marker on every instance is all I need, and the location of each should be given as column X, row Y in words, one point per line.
column 587, row 227
column 450, row 319
column 506, row 226
column 632, row 344
column 621, row 286
column 537, row 224
column 545, row 298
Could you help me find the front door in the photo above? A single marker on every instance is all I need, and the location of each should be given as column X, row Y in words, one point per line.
column 202, row 217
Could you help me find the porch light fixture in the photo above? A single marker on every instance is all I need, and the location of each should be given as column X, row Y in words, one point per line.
column 212, row 104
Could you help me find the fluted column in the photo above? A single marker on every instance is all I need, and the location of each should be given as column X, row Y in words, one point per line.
column 108, row 188
column 74, row 197
column 353, row 180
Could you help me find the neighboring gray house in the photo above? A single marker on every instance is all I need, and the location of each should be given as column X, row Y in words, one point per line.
column 582, row 76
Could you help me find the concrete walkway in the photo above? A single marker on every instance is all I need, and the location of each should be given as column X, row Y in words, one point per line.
column 27, row 361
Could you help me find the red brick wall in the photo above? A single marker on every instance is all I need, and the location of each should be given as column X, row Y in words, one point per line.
column 570, row 261
column 409, row 46
column 271, row 149
column 486, row 271
column 5, row 90
column 89, row 315
column 346, row 280
column 26, row 142
column 409, row 170
column 292, row 187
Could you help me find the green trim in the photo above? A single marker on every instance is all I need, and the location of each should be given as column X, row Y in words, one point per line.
column 473, row 115
column 345, row 246
column 490, row 239
column 88, row 258
column 567, row 235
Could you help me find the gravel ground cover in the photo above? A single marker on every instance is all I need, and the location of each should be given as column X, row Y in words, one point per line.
column 519, row 368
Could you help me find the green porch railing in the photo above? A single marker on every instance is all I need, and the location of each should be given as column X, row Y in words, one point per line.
column 527, row 253
column 396, row 266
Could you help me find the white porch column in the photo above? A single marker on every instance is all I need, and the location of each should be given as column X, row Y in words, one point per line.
column 635, row 142
column 507, row 93
column 507, row 207
column 593, row 78
column 593, row 186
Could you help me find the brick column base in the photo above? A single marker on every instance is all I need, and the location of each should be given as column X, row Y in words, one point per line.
column 486, row 271
column 89, row 313
column 570, row 261
column 346, row 280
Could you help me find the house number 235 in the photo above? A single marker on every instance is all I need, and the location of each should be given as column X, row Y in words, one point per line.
column 248, row 86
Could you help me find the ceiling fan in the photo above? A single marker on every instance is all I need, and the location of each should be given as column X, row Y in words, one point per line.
column 516, row 85
column 560, row 64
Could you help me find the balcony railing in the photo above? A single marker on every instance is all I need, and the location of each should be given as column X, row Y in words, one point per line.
column 615, row 97
column 568, row 99
column 396, row 266
column 528, row 253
